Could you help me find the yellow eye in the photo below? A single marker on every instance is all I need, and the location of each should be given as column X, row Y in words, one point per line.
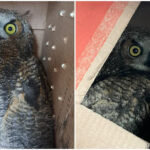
column 135, row 51
column 10, row 29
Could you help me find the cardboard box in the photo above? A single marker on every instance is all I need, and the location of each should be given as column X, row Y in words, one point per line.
column 53, row 26
column 99, row 26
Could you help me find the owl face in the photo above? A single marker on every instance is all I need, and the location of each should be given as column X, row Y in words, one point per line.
column 12, row 26
column 137, row 53
column 131, row 55
column 135, row 50
column 16, row 38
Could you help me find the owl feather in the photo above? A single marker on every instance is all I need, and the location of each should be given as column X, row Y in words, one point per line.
column 120, row 92
column 26, row 112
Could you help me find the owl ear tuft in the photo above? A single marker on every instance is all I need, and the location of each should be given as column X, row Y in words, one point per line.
column 26, row 15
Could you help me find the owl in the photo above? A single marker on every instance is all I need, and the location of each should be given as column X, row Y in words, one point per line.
column 121, row 91
column 26, row 112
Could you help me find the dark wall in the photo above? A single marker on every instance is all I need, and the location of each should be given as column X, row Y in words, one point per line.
column 141, row 16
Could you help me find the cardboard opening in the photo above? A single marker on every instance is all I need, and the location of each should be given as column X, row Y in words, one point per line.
column 95, row 131
column 114, row 94
column 53, row 27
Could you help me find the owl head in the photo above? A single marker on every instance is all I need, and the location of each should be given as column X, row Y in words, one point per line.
column 134, row 48
column 130, row 55
column 15, row 35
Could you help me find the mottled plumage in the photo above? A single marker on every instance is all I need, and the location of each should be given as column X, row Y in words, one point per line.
column 25, row 99
column 121, row 91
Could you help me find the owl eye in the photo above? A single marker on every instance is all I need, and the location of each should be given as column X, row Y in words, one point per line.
column 135, row 51
column 10, row 29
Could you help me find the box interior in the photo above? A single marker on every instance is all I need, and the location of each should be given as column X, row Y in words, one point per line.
column 53, row 27
column 105, row 134
column 137, row 20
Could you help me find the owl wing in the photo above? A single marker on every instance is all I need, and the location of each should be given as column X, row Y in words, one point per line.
column 48, row 106
column 119, row 100
column 28, row 122
column 36, row 87
column 44, row 82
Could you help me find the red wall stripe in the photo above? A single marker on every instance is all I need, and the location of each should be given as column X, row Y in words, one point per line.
column 88, row 17
column 94, row 23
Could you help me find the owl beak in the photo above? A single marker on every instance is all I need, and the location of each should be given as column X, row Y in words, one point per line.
column 147, row 63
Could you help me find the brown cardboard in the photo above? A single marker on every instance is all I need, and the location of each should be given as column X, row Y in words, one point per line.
column 92, row 130
column 62, row 79
column 41, row 15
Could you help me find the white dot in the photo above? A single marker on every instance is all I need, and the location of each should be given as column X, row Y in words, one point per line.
column 47, row 43
column 72, row 14
column 62, row 12
column 52, row 87
column 44, row 58
column 60, row 98
column 55, row 70
column 54, row 28
column 49, row 58
column 64, row 66
column 49, row 26
column 53, row 116
column 53, row 47
column 65, row 39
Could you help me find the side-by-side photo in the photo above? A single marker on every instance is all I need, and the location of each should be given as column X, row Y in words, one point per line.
column 74, row 74
column 112, row 75
column 36, row 75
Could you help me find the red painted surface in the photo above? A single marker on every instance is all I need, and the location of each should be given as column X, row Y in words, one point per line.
column 88, row 16
column 94, row 23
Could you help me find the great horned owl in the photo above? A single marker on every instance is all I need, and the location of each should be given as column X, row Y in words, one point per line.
column 25, row 101
column 121, row 91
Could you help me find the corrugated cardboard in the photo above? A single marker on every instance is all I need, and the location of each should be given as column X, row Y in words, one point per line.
column 62, row 79
column 92, row 130
column 41, row 15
